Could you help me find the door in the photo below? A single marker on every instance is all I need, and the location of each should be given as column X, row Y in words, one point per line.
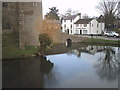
column 80, row 31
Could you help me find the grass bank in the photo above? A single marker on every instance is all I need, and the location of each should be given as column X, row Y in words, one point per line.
column 101, row 41
column 11, row 50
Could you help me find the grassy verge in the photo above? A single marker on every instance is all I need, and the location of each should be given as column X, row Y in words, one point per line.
column 11, row 50
column 101, row 41
column 9, row 53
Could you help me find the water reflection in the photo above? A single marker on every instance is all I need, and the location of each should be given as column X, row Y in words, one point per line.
column 65, row 67
column 25, row 73
column 46, row 65
column 107, row 65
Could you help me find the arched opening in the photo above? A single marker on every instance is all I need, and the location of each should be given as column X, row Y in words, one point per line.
column 68, row 42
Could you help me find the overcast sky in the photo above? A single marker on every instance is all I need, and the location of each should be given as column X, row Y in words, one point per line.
column 82, row 6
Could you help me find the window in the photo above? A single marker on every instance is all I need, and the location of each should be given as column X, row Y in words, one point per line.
column 71, row 20
column 6, row 26
column 85, row 25
column 84, row 31
column 71, row 26
column 77, row 31
column 5, row 4
column 77, row 25
column 92, row 25
column 97, row 25
column 80, row 25
column 34, row 4
column 71, row 31
column 64, row 20
column 65, row 26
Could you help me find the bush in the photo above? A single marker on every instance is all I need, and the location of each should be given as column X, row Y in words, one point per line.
column 45, row 40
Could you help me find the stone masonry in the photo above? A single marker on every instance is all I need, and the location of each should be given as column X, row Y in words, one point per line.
column 24, row 18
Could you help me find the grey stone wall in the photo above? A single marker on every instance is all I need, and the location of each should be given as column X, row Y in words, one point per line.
column 26, row 19
column 31, row 23
column 10, row 16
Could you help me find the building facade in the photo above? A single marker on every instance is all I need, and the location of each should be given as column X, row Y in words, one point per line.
column 75, row 25
column 25, row 18
column 89, row 26
column 68, row 23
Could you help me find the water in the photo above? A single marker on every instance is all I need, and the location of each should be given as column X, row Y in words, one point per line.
column 79, row 66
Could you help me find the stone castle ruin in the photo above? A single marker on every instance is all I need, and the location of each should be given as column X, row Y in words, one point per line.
column 25, row 18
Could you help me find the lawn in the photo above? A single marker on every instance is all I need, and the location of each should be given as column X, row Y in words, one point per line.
column 102, row 41
column 11, row 50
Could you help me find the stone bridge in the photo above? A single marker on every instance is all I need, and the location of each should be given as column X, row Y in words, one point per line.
column 61, row 38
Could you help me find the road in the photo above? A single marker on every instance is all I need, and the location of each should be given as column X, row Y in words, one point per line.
column 101, row 37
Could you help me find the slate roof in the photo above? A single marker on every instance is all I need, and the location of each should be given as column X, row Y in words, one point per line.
column 71, row 17
column 83, row 21
column 100, row 19
column 52, row 21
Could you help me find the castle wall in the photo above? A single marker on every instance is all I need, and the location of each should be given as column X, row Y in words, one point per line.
column 31, row 23
column 10, row 16
column 26, row 18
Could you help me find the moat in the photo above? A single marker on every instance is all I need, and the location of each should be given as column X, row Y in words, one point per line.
column 78, row 66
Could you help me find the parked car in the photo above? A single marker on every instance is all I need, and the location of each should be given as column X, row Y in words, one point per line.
column 111, row 34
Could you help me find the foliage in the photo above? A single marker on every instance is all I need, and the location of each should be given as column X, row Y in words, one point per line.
column 70, row 12
column 45, row 40
column 53, row 14
column 109, row 11
column 85, row 16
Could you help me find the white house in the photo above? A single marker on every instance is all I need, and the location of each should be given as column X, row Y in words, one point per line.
column 89, row 26
column 68, row 23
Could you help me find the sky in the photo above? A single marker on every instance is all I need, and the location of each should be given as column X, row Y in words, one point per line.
column 82, row 6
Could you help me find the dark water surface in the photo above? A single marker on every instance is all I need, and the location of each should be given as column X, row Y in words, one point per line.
column 79, row 66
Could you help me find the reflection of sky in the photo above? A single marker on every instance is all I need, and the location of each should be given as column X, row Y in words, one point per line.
column 77, row 72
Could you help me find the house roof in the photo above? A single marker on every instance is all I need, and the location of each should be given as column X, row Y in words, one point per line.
column 83, row 21
column 100, row 19
column 52, row 21
column 71, row 17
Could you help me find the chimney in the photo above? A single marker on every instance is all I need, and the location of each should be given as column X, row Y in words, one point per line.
column 79, row 14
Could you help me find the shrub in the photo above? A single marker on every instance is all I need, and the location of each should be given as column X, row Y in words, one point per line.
column 45, row 40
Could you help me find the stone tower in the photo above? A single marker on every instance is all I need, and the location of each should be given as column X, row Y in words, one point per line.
column 26, row 18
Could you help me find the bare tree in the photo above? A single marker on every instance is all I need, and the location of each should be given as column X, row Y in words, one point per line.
column 70, row 12
column 109, row 10
column 85, row 16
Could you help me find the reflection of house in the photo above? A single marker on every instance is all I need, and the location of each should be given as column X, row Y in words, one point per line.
column 89, row 26
column 68, row 23
column 94, row 49
column 25, row 18
column 77, row 52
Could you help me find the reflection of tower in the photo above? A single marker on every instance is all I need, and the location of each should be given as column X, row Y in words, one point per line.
column 46, row 65
column 119, row 67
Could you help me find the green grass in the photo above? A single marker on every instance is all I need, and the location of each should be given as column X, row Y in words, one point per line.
column 101, row 41
column 11, row 50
